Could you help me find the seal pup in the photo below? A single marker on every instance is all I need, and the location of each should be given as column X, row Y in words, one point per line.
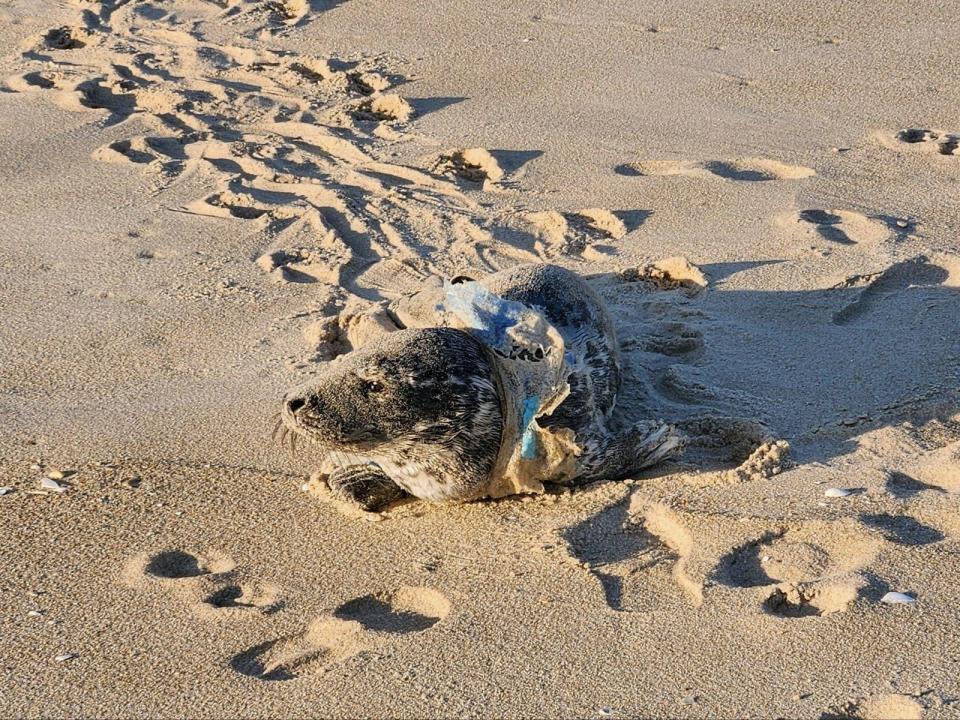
column 429, row 410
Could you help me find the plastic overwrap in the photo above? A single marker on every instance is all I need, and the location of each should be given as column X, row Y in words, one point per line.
column 533, row 367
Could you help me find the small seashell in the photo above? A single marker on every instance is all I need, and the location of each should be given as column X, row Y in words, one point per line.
column 605, row 712
column 6, row 491
column 35, row 613
column 65, row 656
column 898, row 598
column 838, row 492
column 55, row 474
column 48, row 483
column 689, row 700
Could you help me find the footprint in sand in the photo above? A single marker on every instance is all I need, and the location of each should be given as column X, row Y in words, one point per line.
column 210, row 583
column 325, row 642
column 909, row 275
column 902, row 529
column 473, row 165
column 920, row 139
column 673, row 273
column 268, row 125
column 580, row 232
column 66, row 38
column 673, row 339
column 309, row 250
column 740, row 170
column 637, row 553
column 904, row 487
column 355, row 625
column 843, row 227
column 805, row 570
column 879, row 707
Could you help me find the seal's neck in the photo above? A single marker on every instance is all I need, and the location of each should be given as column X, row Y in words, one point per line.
column 455, row 459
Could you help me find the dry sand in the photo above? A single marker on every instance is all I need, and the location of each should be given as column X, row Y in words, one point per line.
column 195, row 196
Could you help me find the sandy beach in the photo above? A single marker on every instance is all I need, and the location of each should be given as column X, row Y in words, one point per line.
column 199, row 199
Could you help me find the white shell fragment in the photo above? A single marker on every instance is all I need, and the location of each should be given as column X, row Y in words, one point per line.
column 52, row 485
column 898, row 598
column 65, row 656
column 5, row 491
column 838, row 492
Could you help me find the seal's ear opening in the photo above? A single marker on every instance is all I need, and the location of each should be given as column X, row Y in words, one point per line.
column 460, row 279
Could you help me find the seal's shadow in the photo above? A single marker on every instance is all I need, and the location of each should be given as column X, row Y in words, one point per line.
column 818, row 367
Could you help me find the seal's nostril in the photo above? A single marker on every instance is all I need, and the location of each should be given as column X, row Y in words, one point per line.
column 294, row 404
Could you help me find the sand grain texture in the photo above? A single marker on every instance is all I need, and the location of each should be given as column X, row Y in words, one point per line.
column 203, row 201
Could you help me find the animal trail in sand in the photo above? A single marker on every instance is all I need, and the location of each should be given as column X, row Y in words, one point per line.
column 297, row 144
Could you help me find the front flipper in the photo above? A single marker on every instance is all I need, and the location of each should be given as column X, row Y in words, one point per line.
column 611, row 456
column 365, row 486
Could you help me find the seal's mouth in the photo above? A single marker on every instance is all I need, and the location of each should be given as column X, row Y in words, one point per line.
column 299, row 419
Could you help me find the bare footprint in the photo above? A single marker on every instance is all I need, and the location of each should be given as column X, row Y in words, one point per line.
column 806, row 570
column 810, row 599
column 901, row 277
column 878, row 707
column 903, row 487
column 355, row 625
column 325, row 642
column 843, row 227
column 575, row 233
column 404, row 610
column 902, row 529
column 209, row 583
column 636, row 552
column 740, row 170
column 178, row 564
column 919, row 139
column 715, row 442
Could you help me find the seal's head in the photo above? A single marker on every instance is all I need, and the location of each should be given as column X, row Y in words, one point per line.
column 421, row 403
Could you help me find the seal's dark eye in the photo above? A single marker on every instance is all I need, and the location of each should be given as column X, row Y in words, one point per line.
column 373, row 385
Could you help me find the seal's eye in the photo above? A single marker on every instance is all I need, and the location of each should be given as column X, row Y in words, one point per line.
column 370, row 380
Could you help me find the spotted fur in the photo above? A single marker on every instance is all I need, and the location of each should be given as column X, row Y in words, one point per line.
column 420, row 406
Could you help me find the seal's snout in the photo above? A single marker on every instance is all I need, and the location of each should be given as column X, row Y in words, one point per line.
column 296, row 407
column 294, row 404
